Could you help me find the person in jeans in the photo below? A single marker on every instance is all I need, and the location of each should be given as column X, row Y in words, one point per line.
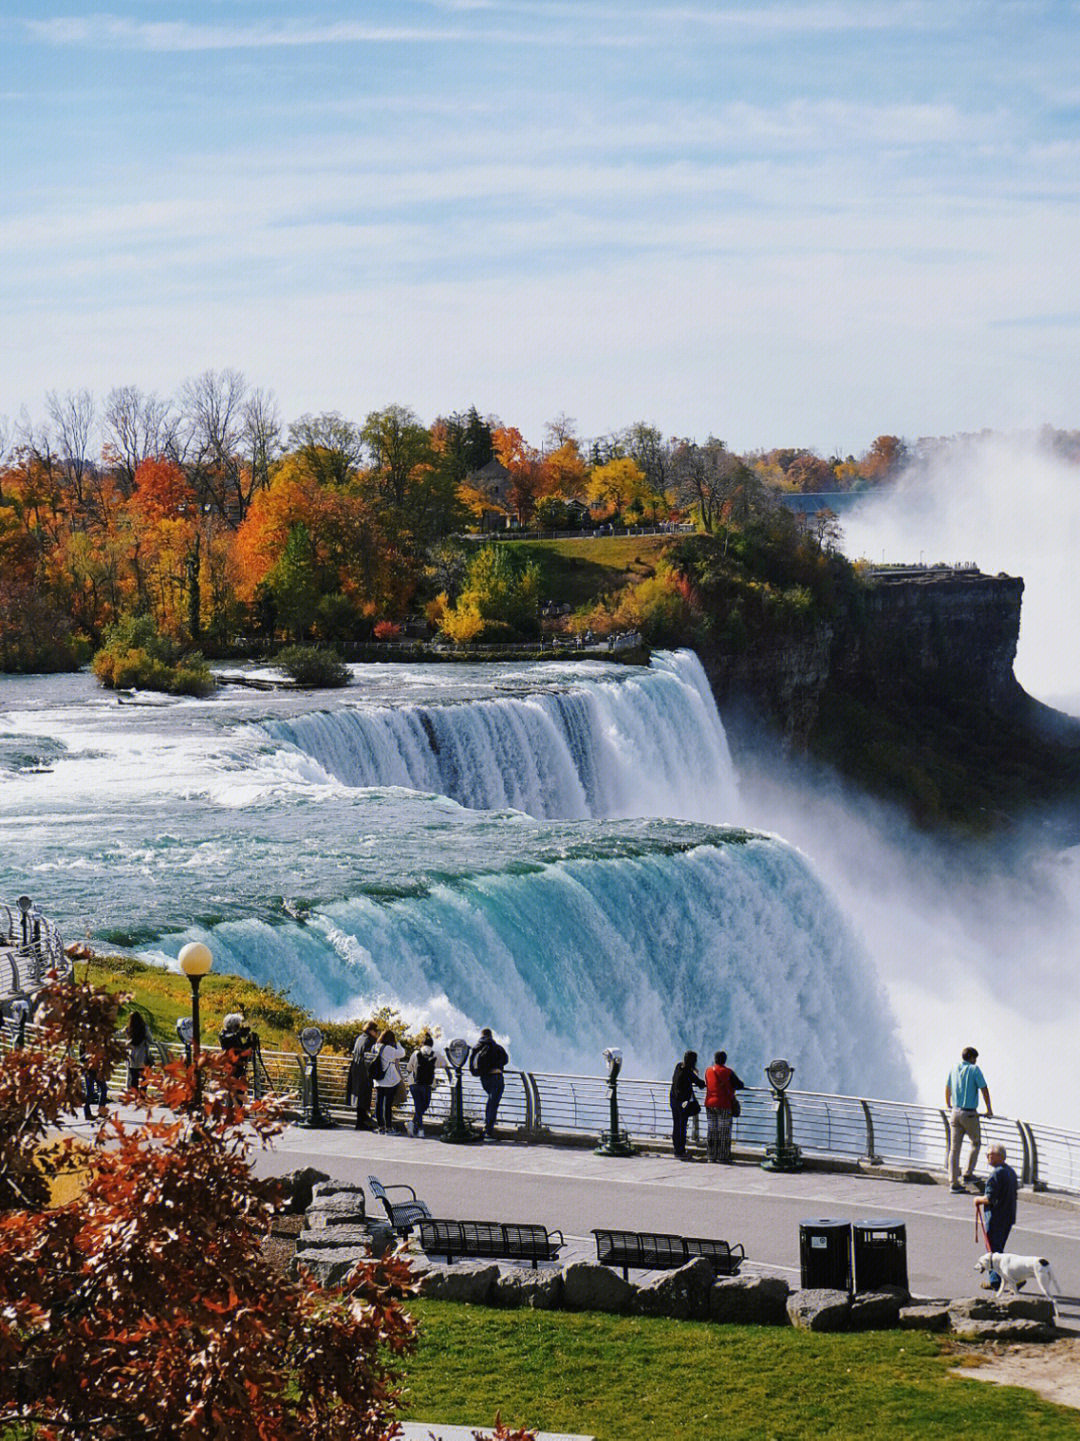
column 962, row 1090
column 387, row 1079
column 359, row 1085
column 998, row 1205
column 684, row 1103
column 721, row 1083
column 421, row 1075
column 487, row 1061
column 138, row 1050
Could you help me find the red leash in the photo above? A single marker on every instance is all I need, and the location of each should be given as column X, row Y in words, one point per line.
column 980, row 1227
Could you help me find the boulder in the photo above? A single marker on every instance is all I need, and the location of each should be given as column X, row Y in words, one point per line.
column 541, row 1290
column 874, row 1311
column 682, row 1294
column 927, row 1316
column 749, row 1301
column 1017, row 1329
column 1009, row 1308
column 330, row 1265
column 327, row 1237
column 297, row 1188
column 819, row 1310
column 591, row 1287
column 334, row 1204
column 470, row 1281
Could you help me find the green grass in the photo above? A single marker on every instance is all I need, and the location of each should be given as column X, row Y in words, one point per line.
column 640, row 1379
column 580, row 571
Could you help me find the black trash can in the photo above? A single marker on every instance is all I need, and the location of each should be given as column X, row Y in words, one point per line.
column 825, row 1254
column 880, row 1254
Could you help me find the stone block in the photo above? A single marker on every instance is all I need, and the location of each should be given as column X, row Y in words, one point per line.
column 927, row 1316
column 1009, row 1308
column 591, row 1287
column 749, row 1301
column 470, row 1281
column 1017, row 1329
column 297, row 1187
column 874, row 1311
column 335, row 1209
column 540, row 1290
column 328, row 1237
column 682, row 1294
column 328, row 1266
column 819, row 1310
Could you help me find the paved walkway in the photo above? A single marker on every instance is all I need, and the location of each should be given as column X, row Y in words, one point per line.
column 574, row 1190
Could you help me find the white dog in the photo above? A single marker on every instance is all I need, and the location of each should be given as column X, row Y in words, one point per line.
column 1016, row 1269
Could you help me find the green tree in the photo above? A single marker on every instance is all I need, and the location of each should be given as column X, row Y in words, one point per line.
column 500, row 597
column 294, row 584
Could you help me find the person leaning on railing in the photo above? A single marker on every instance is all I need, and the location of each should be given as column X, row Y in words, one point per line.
column 962, row 1102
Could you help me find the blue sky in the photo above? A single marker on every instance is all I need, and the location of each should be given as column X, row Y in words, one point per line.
column 782, row 223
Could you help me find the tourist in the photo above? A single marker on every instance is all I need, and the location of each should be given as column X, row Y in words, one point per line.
column 358, row 1087
column 421, row 1074
column 684, row 1103
column 721, row 1106
column 962, row 1090
column 387, row 1077
column 236, row 1045
column 997, row 1206
column 138, row 1050
column 95, row 1087
column 487, row 1060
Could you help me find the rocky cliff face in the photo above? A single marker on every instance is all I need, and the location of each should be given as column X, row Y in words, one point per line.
column 939, row 633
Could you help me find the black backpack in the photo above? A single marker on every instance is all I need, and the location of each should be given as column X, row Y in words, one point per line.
column 425, row 1069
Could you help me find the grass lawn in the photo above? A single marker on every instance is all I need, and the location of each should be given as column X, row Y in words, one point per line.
column 644, row 1379
column 579, row 571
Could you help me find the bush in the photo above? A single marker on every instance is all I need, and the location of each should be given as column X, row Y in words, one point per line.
column 306, row 666
column 135, row 655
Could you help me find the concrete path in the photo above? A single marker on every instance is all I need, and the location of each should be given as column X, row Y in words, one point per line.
column 574, row 1190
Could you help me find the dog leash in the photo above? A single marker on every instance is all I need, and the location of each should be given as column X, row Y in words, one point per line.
column 980, row 1228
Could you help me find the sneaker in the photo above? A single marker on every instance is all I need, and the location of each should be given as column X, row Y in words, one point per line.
column 958, row 1190
column 988, row 1286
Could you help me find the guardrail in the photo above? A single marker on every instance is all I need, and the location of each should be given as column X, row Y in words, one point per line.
column 541, row 1106
column 30, row 947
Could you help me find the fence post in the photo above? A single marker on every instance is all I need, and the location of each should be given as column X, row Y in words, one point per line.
column 871, row 1151
column 1025, row 1165
column 1036, row 1184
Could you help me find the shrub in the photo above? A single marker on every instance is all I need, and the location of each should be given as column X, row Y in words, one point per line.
column 386, row 630
column 310, row 667
column 136, row 655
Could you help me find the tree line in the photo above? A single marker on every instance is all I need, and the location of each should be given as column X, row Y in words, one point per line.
column 210, row 515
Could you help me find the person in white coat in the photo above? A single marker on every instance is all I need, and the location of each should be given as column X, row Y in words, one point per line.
column 386, row 1074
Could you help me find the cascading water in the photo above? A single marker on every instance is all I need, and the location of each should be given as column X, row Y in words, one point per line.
column 457, row 844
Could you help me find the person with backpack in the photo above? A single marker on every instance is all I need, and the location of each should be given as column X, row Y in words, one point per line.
column 421, row 1074
column 387, row 1077
column 487, row 1061
column 360, row 1083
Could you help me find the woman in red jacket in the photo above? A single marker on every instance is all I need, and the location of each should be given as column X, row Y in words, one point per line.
column 721, row 1083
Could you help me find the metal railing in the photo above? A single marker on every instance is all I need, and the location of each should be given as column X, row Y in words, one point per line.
column 540, row 1106
column 30, row 947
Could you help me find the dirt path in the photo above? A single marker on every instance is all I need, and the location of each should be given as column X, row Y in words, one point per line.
column 1052, row 1370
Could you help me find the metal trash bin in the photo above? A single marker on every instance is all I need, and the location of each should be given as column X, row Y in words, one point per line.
column 880, row 1249
column 825, row 1255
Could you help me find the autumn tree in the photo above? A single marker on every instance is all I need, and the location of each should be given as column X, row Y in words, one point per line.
column 884, row 460
column 146, row 1305
column 137, row 426
column 717, row 484
column 500, row 598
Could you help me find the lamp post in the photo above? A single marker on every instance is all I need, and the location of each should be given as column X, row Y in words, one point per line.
column 195, row 962
column 785, row 1155
column 314, row 1117
column 614, row 1142
column 455, row 1128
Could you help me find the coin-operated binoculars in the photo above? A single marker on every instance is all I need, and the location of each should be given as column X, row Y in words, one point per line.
column 614, row 1142
column 314, row 1117
column 455, row 1128
column 785, row 1155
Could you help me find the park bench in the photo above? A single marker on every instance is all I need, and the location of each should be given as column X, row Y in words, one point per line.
column 657, row 1251
column 490, row 1241
column 403, row 1214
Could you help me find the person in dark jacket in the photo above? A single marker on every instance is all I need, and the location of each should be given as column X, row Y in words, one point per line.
column 684, row 1103
column 721, row 1083
column 358, row 1088
column 998, row 1205
column 236, row 1044
column 138, row 1050
column 487, row 1061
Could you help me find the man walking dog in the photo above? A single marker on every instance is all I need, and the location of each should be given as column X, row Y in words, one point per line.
column 962, row 1102
column 996, row 1207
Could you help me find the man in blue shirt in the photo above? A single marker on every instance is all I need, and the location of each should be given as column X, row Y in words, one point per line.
column 962, row 1102
column 998, row 1205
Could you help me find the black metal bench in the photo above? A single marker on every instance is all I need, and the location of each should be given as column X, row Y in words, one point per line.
column 658, row 1251
column 489, row 1241
column 403, row 1214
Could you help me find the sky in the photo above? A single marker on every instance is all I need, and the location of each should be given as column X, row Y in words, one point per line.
column 805, row 222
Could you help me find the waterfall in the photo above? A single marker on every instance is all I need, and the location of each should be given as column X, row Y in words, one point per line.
column 648, row 742
column 732, row 944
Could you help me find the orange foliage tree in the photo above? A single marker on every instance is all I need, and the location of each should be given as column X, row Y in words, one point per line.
column 146, row 1306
